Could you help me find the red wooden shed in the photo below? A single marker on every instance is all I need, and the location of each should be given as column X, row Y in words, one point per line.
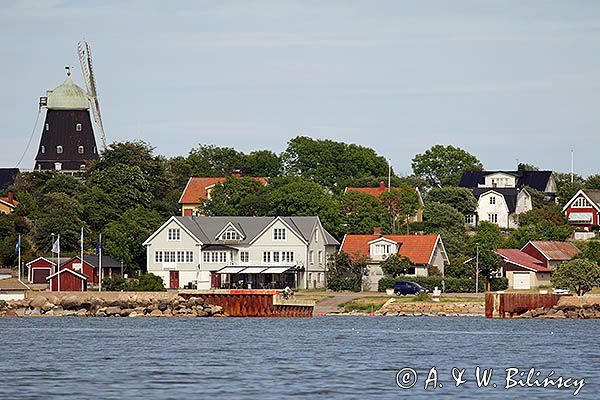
column 70, row 281
column 88, row 269
column 39, row 270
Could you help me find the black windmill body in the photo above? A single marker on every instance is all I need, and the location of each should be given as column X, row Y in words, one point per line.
column 68, row 141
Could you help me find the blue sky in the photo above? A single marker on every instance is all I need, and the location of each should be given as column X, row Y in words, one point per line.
column 505, row 80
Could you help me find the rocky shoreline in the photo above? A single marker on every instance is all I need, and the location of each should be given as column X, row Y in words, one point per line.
column 124, row 306
column 586, row 311
column 467, row 309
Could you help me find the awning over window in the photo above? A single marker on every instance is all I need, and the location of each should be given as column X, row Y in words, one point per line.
column 276, row 270
column 230, row 270
column 252, row 270
column 581, row 217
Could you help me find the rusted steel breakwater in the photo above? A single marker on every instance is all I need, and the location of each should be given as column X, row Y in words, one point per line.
column 508, row 305
column 252, row 303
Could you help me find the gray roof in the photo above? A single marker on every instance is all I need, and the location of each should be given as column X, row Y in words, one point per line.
column 593, row 194
column 206, row 229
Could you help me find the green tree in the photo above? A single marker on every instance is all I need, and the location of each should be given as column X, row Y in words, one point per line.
column 395, row 265
column 545, row 214
column 460, row 198
column 123, row 238
column 361, row 213
column 592, row 182
column 63, row 183
column 345, row 272
column 301, row 197
column 488, row 239
column 400, row 203
column 579, row 275
column 237, row 197
column 444, row 165
column 329, row 163
column 566, row 188
column 126, row 183
column 262, row 163
column 60, row 214
column 208, row 160
column 446, row 221
column 148, row 283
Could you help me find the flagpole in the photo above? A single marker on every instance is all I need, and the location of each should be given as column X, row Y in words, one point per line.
column 81, row 248
column 19, row 258
column 58, row 263
column 100, row 260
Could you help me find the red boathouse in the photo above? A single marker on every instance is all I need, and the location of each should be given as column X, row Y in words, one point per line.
column 70, row 281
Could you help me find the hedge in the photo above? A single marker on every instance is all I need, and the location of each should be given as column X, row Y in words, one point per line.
column 453, row 285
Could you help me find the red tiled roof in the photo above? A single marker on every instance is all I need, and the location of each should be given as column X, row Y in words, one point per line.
column 516, row 256
column 197, row 188
column 6, row 200
column 553, row 250
column 368, row 190
column 417, row 248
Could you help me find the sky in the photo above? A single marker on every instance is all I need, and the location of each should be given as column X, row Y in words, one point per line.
column 508, row 81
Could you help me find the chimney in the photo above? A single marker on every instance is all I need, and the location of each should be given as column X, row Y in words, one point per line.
column 377, row 231
column 11, row 196
column 494, row 185
column 382, row 185
column 236, row 173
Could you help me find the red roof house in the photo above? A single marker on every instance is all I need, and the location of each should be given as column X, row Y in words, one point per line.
column 550, row 253
column 8, row 204
column 198, row 189
column 522, row 270
column 424, row 251
column 39, row 269
column 583, row 209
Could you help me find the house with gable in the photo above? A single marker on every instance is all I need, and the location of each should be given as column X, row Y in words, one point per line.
column 423, row 251
column 502, row 195
column 583, row 209
column 198, row 189
column 240, row 252
column 533, row 264
column 8, row 204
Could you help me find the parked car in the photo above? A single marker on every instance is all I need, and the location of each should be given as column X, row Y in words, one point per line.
column 404, row 288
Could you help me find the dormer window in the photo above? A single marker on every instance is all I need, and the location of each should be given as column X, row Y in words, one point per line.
column 78, row 127
column 80, row 149
column 383, row 249
column 59, row 149
column 230, row 234
column 581, row 202
column 279, row 234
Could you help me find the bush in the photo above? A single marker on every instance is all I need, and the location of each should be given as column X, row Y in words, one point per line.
column 145, row 283
column 115, row 283
column 452, row 285
column 497, row 284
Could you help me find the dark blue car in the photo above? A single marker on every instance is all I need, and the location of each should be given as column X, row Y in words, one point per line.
column 404, row 288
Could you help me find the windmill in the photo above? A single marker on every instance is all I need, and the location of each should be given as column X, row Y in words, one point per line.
column 85, row 58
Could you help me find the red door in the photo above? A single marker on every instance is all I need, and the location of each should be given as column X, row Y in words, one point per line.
column 215, row 280
column 174, row 279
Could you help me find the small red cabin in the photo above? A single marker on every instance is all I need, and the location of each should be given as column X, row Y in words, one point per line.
column 40, row 269
column 91, row 266
column 88, row 269
column 67, row 280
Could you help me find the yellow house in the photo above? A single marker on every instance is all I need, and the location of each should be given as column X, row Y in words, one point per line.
column 8, row 204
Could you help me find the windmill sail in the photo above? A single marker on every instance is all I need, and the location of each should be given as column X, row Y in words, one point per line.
column 85, row 58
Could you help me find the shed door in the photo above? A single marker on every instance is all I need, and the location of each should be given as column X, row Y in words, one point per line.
column 174, row 279
column 521, row 280
column 40, row 275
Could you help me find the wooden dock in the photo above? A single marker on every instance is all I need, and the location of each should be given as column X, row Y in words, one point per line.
column 507, row 305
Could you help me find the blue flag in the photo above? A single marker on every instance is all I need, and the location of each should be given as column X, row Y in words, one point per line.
column 18, row 246
column 99, row 246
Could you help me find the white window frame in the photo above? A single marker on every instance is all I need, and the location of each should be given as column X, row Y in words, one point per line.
column 244, row 257
column 493, row 218
column 158, row 256
column 78, row 127
column 320, row 257
column 276, row 256
column 312, row 256
column 43, row 149
column 59, row 149
column 230, row 234
column 492, row 199
column 316, row 236
column 581, row 202
column 279, row 234
column 174, row 235
column 266, row 256
column 47, row 126
column 80, row 150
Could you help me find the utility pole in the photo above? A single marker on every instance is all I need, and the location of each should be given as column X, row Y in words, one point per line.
column 572, row 178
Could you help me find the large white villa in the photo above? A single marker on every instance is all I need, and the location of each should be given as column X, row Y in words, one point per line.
column 240, row 252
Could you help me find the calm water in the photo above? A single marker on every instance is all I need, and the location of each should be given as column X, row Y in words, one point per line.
column 322, row 357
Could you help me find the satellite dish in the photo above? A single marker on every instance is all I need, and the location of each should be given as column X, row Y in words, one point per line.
column 85, row 58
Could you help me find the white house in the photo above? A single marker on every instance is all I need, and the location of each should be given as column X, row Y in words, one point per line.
column 502, row 195
column 242, row 252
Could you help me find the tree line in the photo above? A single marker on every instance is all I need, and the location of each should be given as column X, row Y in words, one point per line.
column 130, row 191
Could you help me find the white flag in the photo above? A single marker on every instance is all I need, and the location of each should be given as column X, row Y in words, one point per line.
column 56, row 246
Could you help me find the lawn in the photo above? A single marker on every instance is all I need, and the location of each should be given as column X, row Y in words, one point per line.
column 364, row 304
